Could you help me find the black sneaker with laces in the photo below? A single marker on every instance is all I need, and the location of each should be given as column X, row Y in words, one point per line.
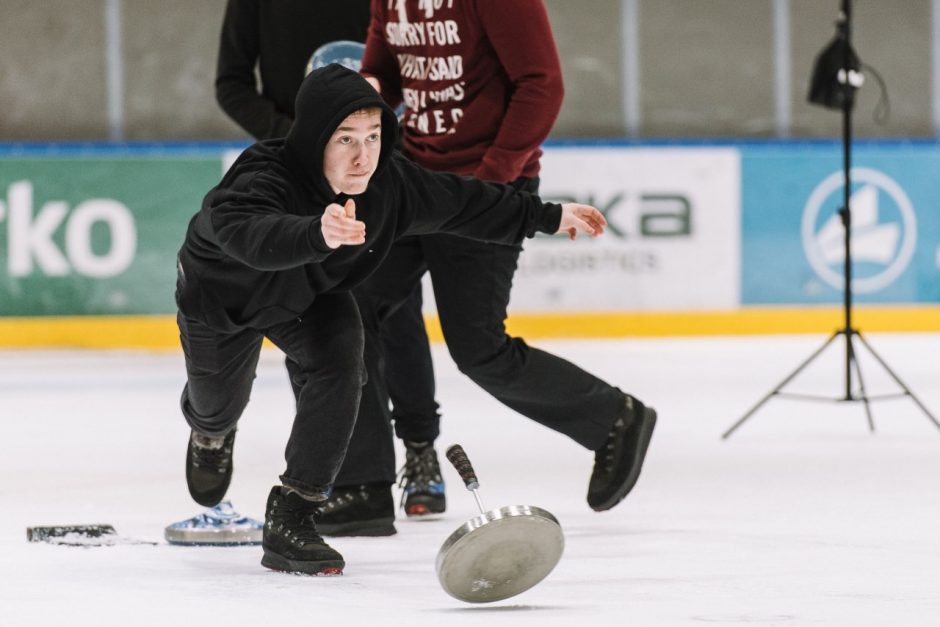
column 362, row 510
column 290, row 540
column 421, row 482
column 209, row 467
column 617, row 464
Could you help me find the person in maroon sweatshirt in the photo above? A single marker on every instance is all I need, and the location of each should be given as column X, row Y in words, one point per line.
column 481, row 84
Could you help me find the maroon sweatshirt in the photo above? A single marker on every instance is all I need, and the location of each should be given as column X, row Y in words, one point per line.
column 480, row 80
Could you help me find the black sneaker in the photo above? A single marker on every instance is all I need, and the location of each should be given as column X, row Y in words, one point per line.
column 617, row 464
column 290, row 540
column 363, row 510
column 421, row 482
column 209, row 467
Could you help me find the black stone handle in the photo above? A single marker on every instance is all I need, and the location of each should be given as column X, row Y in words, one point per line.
column 458, row 457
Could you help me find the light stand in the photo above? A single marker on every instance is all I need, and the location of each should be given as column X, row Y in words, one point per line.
column 835, row 79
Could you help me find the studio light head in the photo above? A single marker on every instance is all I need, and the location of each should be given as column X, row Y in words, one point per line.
column 836, row 74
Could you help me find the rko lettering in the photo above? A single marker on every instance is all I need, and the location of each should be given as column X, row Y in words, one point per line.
column 30, row 236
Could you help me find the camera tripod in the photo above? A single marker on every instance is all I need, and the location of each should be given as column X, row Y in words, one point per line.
column 840, row 94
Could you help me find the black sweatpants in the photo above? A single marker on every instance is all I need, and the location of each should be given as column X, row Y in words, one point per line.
column 409, row 371
column 472, row 282
column 325, row 348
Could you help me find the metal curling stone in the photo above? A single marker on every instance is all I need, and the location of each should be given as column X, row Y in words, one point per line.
column 500, row 554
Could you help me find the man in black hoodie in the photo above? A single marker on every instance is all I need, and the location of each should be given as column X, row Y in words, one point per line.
column 273, row 42
column 278, row 244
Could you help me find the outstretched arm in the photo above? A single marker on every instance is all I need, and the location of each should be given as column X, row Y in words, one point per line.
column 439, row 202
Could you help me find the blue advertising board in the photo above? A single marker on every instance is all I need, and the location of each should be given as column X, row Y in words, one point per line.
column 792, row 232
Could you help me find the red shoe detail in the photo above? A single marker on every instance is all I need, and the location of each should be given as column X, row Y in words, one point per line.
column 418, row 509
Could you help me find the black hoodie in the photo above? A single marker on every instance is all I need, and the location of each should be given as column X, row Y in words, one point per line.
column 254, row 255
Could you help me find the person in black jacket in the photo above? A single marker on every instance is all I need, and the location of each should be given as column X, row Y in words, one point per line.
column 279, row 38
column 293, row 226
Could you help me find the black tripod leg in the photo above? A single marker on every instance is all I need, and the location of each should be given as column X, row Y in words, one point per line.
column 897, row 380
column 779, row 387
column 853, row 358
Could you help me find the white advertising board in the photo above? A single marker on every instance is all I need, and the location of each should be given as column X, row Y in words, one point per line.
column 673, row 241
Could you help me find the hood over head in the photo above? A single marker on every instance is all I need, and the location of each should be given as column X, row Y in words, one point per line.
column 326, row 97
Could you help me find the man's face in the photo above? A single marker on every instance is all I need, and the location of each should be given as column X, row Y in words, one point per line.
column 352, row 154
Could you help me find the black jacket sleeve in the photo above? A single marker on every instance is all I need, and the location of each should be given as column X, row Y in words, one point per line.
column 466, row 206
column 236, row 88
column 253, row 227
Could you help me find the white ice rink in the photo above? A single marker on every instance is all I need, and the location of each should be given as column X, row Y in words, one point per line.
column 802, row 517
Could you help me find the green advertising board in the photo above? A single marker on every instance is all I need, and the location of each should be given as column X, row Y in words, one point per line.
column 91, row 234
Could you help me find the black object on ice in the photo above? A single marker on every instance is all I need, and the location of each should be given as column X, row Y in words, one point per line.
column 79, row 535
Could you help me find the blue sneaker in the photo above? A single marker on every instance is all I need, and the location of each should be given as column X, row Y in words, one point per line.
column 421, row 482
column 219, row 526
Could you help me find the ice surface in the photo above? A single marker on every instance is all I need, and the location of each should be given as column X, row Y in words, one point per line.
column 802, row 517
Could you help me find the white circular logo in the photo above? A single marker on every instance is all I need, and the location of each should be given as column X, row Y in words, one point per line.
column 885, row 246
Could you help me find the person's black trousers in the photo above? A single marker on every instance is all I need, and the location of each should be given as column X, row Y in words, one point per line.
column 409, row 372
column 472, row 283
column 325, row 349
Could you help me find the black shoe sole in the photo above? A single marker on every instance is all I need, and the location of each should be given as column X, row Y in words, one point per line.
column 371, row 528
column 307, row 567
column 646, row 425
column 423, row 515
column 208, row 498
column 205, row 501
